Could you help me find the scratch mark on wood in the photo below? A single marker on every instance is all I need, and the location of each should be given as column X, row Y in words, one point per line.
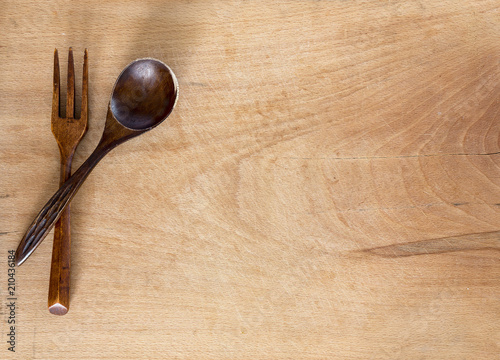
column 388, row 157
column 388, row 208
column 467, row 242
column 7, row 232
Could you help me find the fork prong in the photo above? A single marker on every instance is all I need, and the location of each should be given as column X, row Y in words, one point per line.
column 85, row 88
column 70, row 99
column 56, row 88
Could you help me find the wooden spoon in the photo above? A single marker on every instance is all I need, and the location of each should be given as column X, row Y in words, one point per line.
column 144, row 95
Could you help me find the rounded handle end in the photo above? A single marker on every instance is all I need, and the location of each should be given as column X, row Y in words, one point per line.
column 58, row 309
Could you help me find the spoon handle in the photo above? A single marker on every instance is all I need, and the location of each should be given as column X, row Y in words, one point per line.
column 114, row 134
column 51, row 212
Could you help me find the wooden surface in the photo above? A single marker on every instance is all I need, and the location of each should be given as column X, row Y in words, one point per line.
column 328, row 186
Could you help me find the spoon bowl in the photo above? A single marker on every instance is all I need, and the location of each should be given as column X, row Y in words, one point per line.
column 143, row 96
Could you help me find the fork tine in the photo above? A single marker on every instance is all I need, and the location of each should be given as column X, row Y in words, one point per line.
column 70, row 99
column 56, row 88
column 85, row 88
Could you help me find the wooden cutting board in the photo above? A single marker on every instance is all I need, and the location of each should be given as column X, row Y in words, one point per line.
column 328, row 186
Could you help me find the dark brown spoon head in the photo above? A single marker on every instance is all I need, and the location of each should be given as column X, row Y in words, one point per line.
column 144, row 94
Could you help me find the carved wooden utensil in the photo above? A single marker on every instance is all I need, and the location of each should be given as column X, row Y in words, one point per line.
column 144, row 95
column 68, row 132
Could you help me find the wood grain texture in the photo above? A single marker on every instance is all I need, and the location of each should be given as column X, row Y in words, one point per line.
column 328, row 185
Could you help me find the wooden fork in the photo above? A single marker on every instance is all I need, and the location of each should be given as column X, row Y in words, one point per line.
column 68, row 132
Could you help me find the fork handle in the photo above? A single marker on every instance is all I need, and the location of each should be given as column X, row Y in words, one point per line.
column 59, row 283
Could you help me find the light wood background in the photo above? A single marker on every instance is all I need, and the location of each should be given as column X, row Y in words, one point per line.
column 328, row 186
